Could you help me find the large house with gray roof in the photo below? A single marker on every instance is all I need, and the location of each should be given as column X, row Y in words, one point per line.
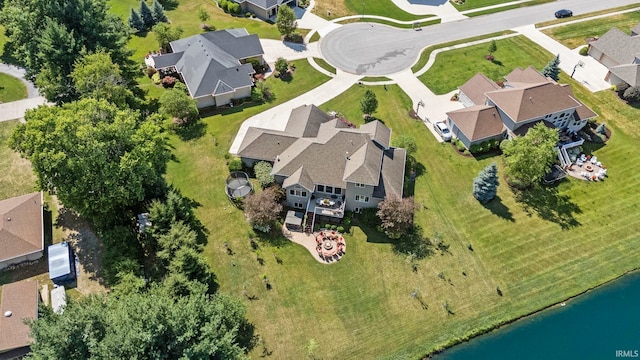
column 620, row 53
column 326, row 165
column 525, row 98
column 214, row 65
column 264, row 9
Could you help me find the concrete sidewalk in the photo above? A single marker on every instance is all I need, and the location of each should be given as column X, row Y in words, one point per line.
column 591, row 75
column 273, row 49
column 16, row 109
column 18, row 72
column 276, row 117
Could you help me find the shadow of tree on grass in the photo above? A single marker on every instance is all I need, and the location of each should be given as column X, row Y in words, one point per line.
column 498, row 208
column 549, row 205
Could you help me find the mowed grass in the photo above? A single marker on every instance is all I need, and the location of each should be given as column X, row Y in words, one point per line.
column 475, row 4
column 11, row 89
column 17, row 177
column 453, row 68
column 574, row 35
column 340, row 8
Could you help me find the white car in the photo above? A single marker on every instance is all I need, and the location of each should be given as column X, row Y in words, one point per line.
column 442, row 130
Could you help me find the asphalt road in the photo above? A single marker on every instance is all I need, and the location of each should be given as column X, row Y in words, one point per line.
column 375, row 49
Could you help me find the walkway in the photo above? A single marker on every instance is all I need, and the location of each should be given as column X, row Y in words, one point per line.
column 18, row 72
column 16, row 109
column 308, row 241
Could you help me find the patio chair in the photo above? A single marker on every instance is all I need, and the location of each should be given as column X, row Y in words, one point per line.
column 594, row 159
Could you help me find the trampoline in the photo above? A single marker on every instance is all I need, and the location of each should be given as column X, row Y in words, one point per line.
column 238, row 185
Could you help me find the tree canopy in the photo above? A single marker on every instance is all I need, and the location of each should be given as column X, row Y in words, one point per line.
column 166, row 33
column 396, row 216
column 286, row 21
column 177, row 104
column 262, row 209
column 485, row 185
column 493, row 47
column 47, row 37
column 552, row 69
column 143, row 325
column 96, row 76
column 97, row 158
column 407, row 142
column 529, row 157
column 369, row 103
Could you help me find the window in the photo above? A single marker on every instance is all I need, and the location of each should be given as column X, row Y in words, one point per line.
column 356, row 210
column 298, row 205
column 320, row 188
column 296, row 192
column 329, row 189
column 338, row 191
column 360, row 198
column 359, row 185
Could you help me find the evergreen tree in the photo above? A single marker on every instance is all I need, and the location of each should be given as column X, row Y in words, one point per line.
column 135, row 22
column 158, row 12
column 485, row 185
column 493, row 47
column 552, row 70
column 145, row 13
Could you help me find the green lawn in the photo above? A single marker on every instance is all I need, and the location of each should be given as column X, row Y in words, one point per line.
column 453, row 68
column 325, row 65
column 340, row 8
column 16, row 177
column 587, row 15
column 574, row 35
column 11, row 89
column 475, row 4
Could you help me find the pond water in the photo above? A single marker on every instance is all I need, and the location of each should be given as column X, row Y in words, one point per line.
column 602, row 324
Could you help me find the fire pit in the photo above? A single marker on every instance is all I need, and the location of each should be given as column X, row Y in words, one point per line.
column 327, row 244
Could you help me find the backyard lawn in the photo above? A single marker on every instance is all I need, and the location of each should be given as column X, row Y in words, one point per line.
column 475, row 4
column 573, row 35
column 16, row 177
column 11, row 89
column 340, row 8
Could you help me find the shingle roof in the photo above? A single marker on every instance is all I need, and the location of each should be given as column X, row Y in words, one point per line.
column 21, row 298
column 583, row 112
column 619, row 46
column 264, row 144
column 299, row 177
column 210, row 63
column 21, row 226
column 265, row 4
column 525, row 76
column 535, row 100
column 477, row 122
column 629, row 73
column 392, row 174
column 635, row 30
column 378, row 131
column 305, row 121
column 477, row 86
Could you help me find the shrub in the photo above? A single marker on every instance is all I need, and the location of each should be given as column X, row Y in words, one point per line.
column 235, row 164
column 459, row 145
column 168, row 81
column 151, row 71
column 263, row 174
column 475, row 148
column 222, row 4
column 247, row 14
column 327, row 226
column 282, row 66
column 156, row 78
column 584, row 51
column 234, row 8
column 621, row 88
column 632, row 94
column 334, row 227
column 340, row 229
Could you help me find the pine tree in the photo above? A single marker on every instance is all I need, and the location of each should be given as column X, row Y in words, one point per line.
column 552, row 70
column 146, row 15
column 135, row 21
column 485, row 185
column 158, row 12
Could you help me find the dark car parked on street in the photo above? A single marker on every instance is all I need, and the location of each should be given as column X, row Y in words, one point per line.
column 563, row 13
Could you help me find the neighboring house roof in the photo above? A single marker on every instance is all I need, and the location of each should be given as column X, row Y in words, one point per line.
column 477, row 122
column 629, row 73
column 533, row 101
column 525, row 76
column 265, row 4
column 21, row 299
column 392, row 174
column 635, row 30
column 618, row 45
column 21, row 228
column 210, row 63
column 305, row 121
column 336, row 155
column 476, row 87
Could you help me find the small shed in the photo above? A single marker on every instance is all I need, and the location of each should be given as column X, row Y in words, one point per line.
column 293, row 220
column 62, row 267
column 58, row 299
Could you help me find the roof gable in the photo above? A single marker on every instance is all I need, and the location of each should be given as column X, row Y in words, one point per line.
column 299, row 177
column 21, row 228
column 378, row 132
column 476, row 87
column 477, row 122
column 617, row 45
column 533, row 101
column 526, row 76
column 629, row 73
column 305, row 121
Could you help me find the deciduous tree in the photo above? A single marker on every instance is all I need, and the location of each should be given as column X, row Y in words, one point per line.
column 529, row 157
column 407, row 142
column 396, row 216
column 97, row 158
column 493, row 47
column 368, row 103
column 96, row 76
column 204, row 16
column 263, row 174
column 282, row 66
column 286, row 21
column 179, row 105
column 165, row 34
column 485, row 185
column 262, row 209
